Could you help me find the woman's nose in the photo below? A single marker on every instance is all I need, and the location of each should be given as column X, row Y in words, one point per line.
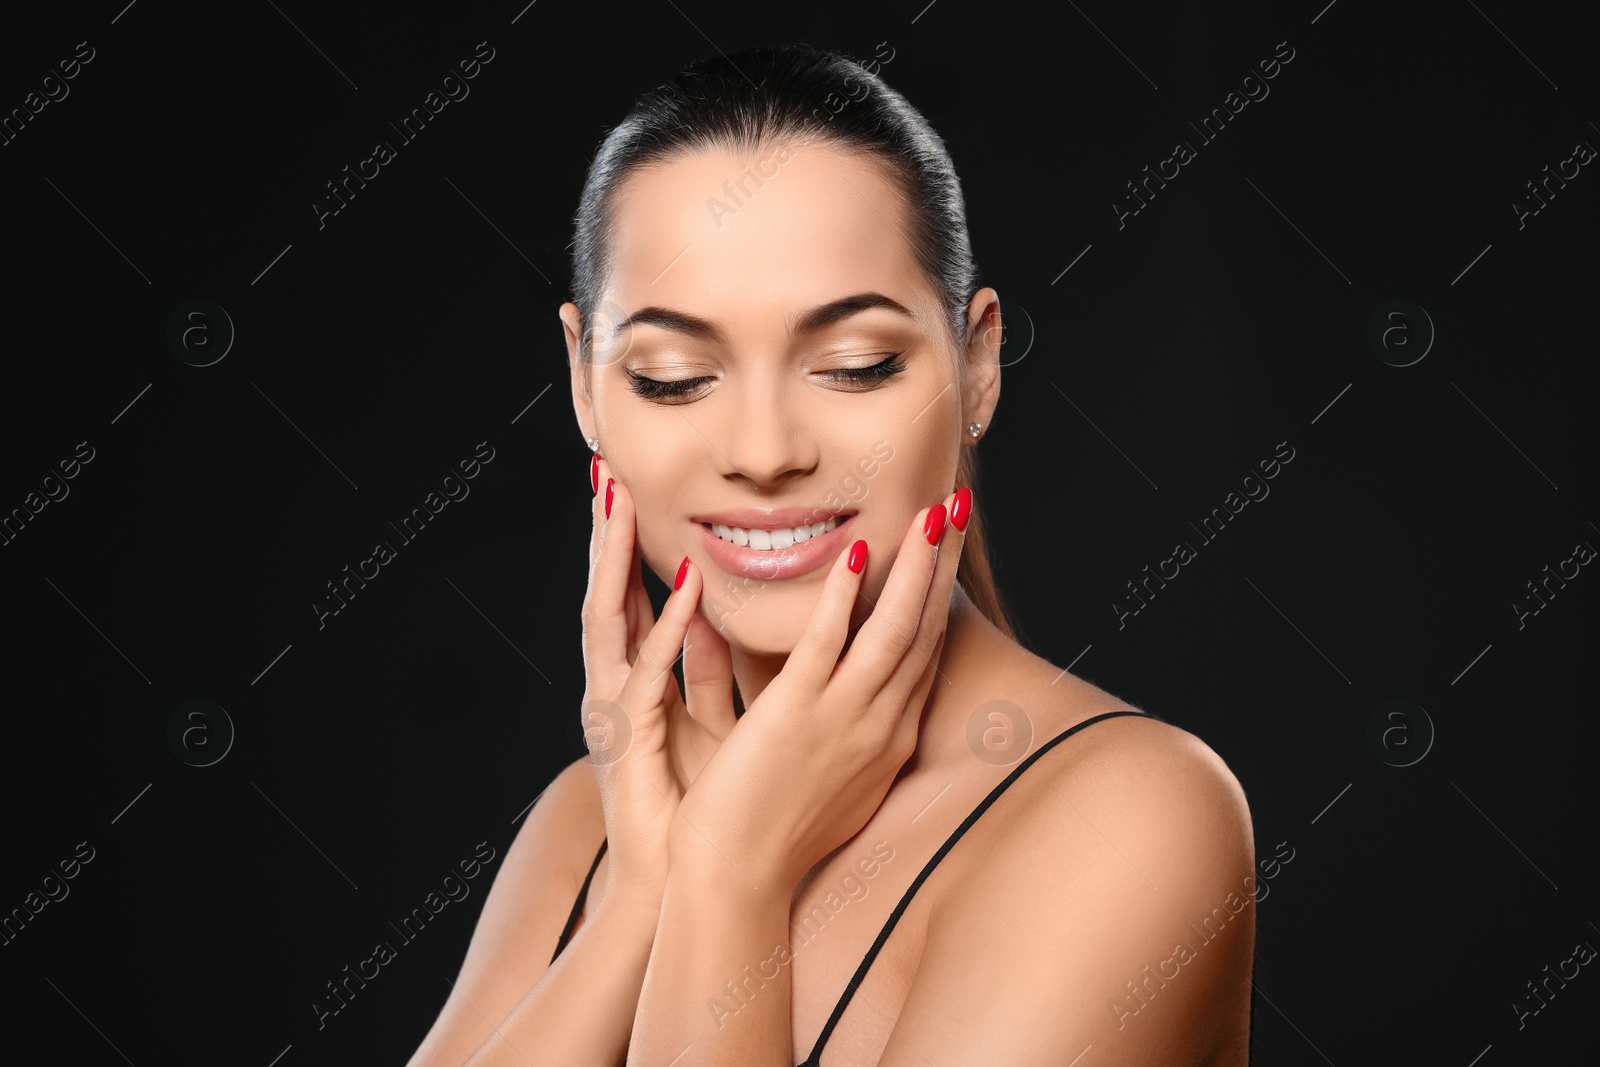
column 768, row 438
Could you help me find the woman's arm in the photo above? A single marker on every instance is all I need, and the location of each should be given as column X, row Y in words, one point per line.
column 510, row 1003
column 1115, row 920
column 718, row 984
column 580, row 1012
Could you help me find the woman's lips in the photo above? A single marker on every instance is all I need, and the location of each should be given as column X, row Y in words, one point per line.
column 769, row 564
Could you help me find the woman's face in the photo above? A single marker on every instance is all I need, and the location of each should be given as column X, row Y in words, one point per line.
column 753, row 287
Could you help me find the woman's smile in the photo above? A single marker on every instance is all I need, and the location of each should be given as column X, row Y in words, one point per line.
column 773, row 543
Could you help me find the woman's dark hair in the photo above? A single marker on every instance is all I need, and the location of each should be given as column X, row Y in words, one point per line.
column 765, row 96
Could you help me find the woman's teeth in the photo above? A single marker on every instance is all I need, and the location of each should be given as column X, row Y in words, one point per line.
column 773, row 540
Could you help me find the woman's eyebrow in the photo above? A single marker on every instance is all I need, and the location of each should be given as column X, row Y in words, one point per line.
column 836, row 310
column 812, row 319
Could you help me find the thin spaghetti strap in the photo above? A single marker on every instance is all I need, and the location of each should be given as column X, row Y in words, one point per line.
column 577, row 905
column 813, row 1060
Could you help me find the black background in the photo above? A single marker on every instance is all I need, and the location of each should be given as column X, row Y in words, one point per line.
column 424, row 718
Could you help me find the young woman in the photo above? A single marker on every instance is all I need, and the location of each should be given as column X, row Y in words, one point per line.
column 872, row 828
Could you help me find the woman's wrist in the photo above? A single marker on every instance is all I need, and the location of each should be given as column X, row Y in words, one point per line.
column 698, row 865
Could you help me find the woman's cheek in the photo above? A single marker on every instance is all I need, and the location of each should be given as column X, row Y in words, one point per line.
column 661, row 545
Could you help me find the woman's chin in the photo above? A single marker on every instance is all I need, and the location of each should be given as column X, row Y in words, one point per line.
column 755, row 633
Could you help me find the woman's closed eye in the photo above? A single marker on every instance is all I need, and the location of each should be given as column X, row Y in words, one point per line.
column 855, row 379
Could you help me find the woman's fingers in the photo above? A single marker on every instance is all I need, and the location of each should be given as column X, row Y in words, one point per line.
column 817, row 653
column 606, row 628
column 890, row 632
column 647, row 682
column 922, row 658
column 597, row 511
column 906, row 730
column 708, row 677
column 638, row 611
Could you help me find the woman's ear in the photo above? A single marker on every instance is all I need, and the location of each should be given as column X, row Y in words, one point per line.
column 582, row 404
column 981, row 366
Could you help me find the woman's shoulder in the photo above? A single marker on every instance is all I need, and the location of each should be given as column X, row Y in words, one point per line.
column 523, row 914
column 1147, row 762
column 1138, row 783
column 549, row 858
column 1140, row 762
column 1119, row 855
column 567, row 822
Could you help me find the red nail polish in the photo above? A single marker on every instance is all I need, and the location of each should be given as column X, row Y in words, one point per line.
column 609, row 483
column 858, row 557
column 683, row 569
column 961, row 509
column 594, row 474
column 934, row 527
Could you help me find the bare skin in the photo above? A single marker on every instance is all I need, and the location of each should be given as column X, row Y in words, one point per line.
column 1075, row 889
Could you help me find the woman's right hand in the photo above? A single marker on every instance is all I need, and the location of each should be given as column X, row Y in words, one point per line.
column 646, row 744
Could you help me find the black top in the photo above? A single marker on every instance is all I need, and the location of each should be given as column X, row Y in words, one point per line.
column 577, row 905
column 813, row 1060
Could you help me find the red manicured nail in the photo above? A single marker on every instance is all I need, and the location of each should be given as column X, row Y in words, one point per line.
column 858, row 557
column 594, row 474
column 609, row 483
column 683, row 569
column 961, row 509
column 935, row 524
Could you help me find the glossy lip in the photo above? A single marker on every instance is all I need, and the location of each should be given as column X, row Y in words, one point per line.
column 791, row 562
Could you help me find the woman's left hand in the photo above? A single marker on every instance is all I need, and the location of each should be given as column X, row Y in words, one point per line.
column 814, row 755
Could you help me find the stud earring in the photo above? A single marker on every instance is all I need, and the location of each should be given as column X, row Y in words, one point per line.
column 593, row 443
column 975, row 429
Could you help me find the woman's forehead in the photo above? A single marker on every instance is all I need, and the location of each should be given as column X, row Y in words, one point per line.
column 729, row 235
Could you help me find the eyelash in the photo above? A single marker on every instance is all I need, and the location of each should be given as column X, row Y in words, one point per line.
column 654, row 389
